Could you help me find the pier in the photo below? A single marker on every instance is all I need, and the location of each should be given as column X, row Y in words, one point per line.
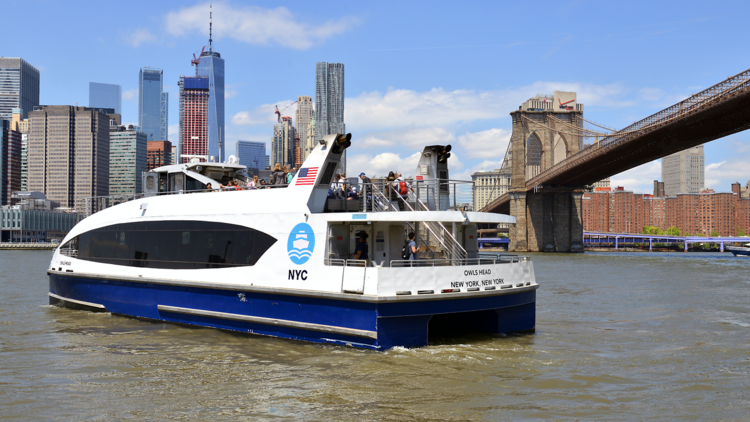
column 27, row 246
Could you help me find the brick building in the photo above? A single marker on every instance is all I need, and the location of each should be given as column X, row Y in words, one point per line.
column 621, row 211
column 158, row 153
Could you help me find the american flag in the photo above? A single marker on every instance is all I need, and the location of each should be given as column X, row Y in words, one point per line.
column 306, row 176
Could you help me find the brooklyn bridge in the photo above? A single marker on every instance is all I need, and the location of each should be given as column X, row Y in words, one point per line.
column 551, row 167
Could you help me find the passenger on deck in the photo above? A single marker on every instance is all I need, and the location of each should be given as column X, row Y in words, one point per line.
column 209, row 187
column 278, row 177
column 391, row 187
column 253, row 183
column 412, row 247
column 290, row 176
column 363, row 249
column 338, row 187
column 404, row 196
column 263, row 184
column 366, row 190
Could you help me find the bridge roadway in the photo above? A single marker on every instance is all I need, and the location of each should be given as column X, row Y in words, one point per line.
column 713, row 113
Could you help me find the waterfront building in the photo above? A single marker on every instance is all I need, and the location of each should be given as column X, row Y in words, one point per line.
column 153, row 104
column 211, row 66
column 10, row 161
column 488, row 186
column 683, row 172
column 19, row 86
column 194, row 121
column 282, row 143
column 29, row 223
column 304, row 116
column 329, row 103
column 21, row 125
column 158, row 153
column 621, row 211
column 252, row 155
column 174, row 155
column 127, row 160
column 105, row 96
column 68, row 154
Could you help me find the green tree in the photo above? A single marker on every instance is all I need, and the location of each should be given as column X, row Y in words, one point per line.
column 651, row 230
column 714, row 233
column 740, row 232
column 502, row 235
column 673, row 231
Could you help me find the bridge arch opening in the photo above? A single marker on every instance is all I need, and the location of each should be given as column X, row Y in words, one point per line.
column 560, row 149
column 534, row 156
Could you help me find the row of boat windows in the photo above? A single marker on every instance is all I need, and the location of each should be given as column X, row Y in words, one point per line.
column 173, row 245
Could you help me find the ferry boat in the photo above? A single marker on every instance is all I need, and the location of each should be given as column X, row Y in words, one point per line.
column 273, row 262
column 739, row 250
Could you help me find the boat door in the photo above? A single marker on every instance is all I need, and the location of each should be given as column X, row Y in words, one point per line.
column 355, row 270
column 150, row 183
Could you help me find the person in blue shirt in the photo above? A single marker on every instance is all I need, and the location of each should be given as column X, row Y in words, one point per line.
column 363, row 249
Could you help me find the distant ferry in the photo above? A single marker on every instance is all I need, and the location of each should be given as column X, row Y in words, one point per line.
column 739, row 250
column 274, row 262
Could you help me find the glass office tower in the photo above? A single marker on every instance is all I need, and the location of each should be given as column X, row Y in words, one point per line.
column 252, row 155
column 19, row 87
column 211, row 66
column 105, row 96
column 329, row 102
column 152, row 104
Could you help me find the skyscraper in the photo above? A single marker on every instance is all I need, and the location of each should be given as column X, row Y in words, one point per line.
column 329, row 102
column 252, row 155
column 211, row 66
column 282, row 143
column 194, row 96
column 304, row 116
column 68, row 154
column 683, row 172
column 10, row 161
column 105, row 96
column 19, row 86
column 127, row 160
column 152, row 104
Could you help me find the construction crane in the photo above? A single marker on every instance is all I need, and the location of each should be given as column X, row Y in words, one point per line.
column 197, row 60
column 278, row 112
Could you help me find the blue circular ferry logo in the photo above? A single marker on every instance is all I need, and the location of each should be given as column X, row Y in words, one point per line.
column 301, row 243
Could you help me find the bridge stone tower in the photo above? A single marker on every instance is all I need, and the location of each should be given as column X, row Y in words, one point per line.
column 545, row 132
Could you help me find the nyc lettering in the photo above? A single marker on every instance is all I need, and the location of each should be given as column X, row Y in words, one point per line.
column 477, row 272
column 297, row 275
column 476, row 283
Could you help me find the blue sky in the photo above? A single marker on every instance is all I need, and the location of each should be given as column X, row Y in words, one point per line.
column 417, row 72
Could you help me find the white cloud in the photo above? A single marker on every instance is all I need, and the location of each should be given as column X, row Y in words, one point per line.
column 173, row 132
column 486, row 165
column 381, row 164
column 639, row 179
column 129, row 94
column 488, row 143
column 139, row 36
column 264, row 114
column 254, row 25
column 728, row 171
column 229, row 93
column 409, row 138
column 397, row 108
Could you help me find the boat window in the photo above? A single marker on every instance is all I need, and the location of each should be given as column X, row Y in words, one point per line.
column 193, row 184
column 328, row 174
column 174, row 245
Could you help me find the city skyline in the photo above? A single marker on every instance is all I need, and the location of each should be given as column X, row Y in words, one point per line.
column 432, row 87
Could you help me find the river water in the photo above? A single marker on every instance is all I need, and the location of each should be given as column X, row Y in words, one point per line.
column 620, row 336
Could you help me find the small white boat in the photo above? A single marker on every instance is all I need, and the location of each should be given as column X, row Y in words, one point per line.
column 272, row 262
column 739, row 250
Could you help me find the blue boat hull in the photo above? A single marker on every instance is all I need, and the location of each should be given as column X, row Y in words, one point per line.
column 325, row 318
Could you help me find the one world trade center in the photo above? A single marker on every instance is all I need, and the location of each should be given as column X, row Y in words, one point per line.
column 211, row 66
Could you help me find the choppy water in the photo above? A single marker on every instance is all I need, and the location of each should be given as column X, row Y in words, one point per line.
column 629, row 336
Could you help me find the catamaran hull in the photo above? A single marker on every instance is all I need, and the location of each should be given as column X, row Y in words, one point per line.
column 355, row 320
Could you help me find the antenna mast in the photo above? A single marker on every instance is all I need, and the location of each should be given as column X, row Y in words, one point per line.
column 210, row 27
